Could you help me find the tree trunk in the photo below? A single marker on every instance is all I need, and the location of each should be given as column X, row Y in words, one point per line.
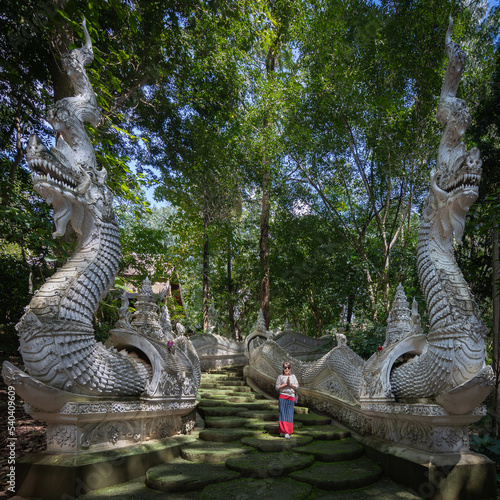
column 230, row 307
column 350, row 307
column 206, row 264
column 264, row 245
column 496, row 339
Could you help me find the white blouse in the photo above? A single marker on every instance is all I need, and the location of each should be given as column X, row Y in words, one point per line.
column 287, row 391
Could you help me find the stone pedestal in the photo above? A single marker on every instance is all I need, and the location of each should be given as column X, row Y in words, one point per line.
column 83, row 426
column 444, row 476
column 49, row 476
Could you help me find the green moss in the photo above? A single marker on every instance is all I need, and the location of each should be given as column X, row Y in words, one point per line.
column 180, row 476
column 312, row 419
column 263, row 489
column 225, row 422
column 340, row 476
column 269, row 464
column 268, row 443
column 227, row 435
column 212, row 452
column 328, row 432
column 333, row 451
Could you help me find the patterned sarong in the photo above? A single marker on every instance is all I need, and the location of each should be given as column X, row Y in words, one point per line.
column 286, row 404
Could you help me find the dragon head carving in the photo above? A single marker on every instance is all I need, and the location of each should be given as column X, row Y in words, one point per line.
column 453, row 190
column 66, row 176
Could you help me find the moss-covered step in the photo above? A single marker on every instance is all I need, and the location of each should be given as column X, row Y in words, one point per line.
column 263, row 489
column 212, row 452
column 216, row 384
column 333, row 451
column 340, row 475
column 254, row 406
column 212, row 402
column 227, row 435
column 243, row 388
column 384, row 489
column 247, row 398
column 325, row 432
column 269, row 443
column 215, row 394
column 312, row 419
column 225, row 422
column 220, row 411
column 136, row 490
column 269, row 427
column 181, row 475
column 298, row 410
column 269, row 464
column 266, row 416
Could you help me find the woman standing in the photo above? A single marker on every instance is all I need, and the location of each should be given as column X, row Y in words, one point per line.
column 286, row 385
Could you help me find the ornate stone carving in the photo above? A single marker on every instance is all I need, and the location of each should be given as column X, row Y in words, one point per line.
column 216, row 351
column 445, row 370
column 64, row 363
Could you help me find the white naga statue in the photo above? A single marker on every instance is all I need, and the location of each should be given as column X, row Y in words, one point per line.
column 443, row 372
column 62, row 359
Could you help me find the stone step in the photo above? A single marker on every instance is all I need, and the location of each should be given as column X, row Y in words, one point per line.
column 263, row 489
column 214, row 452
column 347, row 475
column 225, row 422
column 213, row 402
column 248, row 398
column 220, row 411
column 182, row 475
column 213, row 394
column 205, row 384
column 136, row 490
column 266, row 416
column 254, row 406
column 312, row 419
column 268, row 443
column 324, row 432
column 333, row 451
column 269, row 427
column 269, row 464
column 227, row 435
column 298, row 410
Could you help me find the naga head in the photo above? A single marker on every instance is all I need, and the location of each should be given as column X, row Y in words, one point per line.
column 454, row 185
column 66, row 176
column 452, row 193
column 74, row 192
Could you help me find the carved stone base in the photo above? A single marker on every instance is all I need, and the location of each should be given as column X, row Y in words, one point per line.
column 426, row 427
column 49, row 476
column 446, row 476
column 83, row 426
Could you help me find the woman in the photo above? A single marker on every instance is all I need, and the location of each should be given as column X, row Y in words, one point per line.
column 286, row 385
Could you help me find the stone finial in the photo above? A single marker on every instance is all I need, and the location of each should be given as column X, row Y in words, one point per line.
column 181, row 330
column 416, row 320
column 399, row 321
column 166, row 323
column 260, row 326
column 288, row 327
column 124, row 313
column 146, row 288
column 145, row 318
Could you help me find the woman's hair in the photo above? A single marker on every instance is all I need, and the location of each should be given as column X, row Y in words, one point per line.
column 286, row 363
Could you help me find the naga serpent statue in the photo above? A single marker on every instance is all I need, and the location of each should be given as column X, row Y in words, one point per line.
column 60, row 353
column 447, row 366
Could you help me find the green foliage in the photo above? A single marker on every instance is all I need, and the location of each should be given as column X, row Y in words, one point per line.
column 364, row 339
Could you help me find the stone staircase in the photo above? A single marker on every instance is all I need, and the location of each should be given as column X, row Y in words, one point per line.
column 240, row 455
